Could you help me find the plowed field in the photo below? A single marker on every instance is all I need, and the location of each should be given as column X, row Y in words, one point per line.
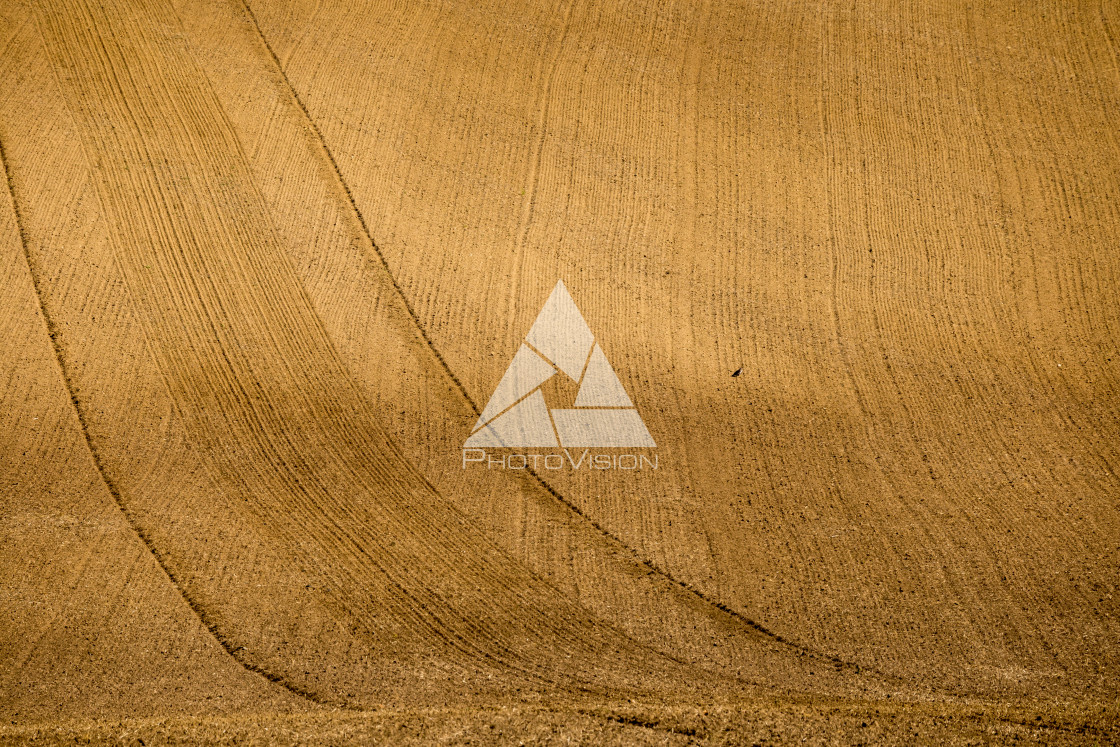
column 856, row 265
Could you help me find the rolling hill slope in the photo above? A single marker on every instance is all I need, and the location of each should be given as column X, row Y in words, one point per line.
column 263, row 263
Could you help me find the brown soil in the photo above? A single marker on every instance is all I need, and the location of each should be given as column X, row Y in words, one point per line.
column 262, row 264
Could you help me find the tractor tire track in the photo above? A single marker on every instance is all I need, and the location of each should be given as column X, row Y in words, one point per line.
column 756, row 627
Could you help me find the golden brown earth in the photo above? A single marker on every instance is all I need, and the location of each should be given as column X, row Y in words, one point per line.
column 262, row 264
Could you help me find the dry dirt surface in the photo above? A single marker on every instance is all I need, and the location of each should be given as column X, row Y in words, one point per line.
column 856, row 264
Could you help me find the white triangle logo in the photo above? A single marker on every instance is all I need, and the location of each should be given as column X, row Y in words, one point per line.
column 559, row 342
